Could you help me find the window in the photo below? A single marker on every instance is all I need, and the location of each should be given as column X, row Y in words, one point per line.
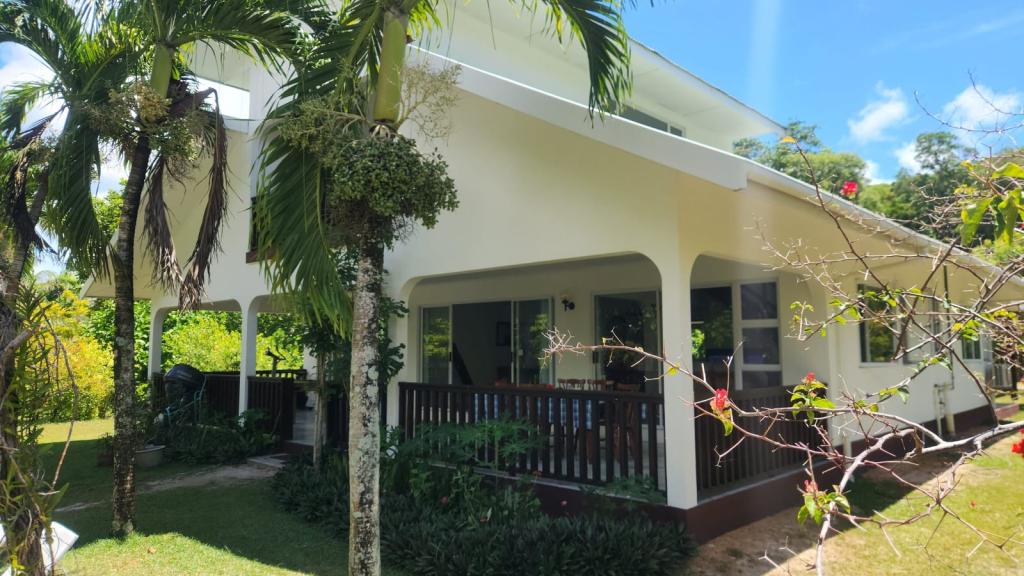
column 929, row 318
column 630, row 113
column 972, row 349
column 760, row 361
column 877, row 341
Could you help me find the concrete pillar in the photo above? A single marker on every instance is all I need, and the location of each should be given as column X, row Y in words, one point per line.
column 680, row 450
column 156, row 331
column 247, row 366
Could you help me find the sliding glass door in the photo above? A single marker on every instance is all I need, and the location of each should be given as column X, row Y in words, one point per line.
column 486, row 343
column 632, row 319
column 532, row 321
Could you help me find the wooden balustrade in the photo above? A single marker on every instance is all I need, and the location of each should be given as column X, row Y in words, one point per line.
column 584, row 436
column 221, row 394
column 275, row 397
column 752, row 460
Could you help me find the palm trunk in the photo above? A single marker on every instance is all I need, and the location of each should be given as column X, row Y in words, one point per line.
column 320, row 418
column 364, row 417
column 125, row 401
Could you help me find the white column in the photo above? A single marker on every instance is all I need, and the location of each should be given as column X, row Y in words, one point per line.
column 156, row 332
column 680, row 450
column 247, row 366
column 398, row 330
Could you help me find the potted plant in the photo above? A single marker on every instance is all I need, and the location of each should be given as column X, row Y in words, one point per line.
column 105, row 453
column 148, row 453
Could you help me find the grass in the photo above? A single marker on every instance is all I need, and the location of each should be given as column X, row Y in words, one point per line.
column 219, row 529
column 991, row 496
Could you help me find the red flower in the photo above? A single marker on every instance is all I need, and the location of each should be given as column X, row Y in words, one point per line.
column 720, row 400
column 849, row 189
column 809, row 378
column 1018, row 448
column 973, row 505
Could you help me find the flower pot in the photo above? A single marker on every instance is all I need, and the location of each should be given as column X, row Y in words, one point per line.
column 149, row 456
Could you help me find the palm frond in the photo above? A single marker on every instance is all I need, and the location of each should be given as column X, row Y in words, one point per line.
column 15, row 103
column 597, row 25
column 297, row 256
column 157, row 230
column 208, row 240
column 76, row 227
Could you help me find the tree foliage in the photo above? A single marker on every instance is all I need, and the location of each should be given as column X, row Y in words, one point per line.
column 832, row 169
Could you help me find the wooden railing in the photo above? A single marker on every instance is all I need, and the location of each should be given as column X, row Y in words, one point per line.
column 222, row 393
column 752, row 460
column 275, row 397
column 587, row 437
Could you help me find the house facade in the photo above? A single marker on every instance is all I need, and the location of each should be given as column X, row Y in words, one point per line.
column 640, row 226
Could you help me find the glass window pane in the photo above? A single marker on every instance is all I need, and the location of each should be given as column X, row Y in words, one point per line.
column 633, row 319
column 434, row 349
column 759, row 301
column 878, row 342
column 482, row 344
column 760, row 345
column 761, row 379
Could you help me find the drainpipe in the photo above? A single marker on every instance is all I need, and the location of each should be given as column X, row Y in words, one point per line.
column 943, row 411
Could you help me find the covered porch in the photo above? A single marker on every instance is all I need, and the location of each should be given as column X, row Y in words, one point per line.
column 475, row 346
column 279, row 394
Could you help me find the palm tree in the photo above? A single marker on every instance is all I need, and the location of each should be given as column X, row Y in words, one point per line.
column 169, row 28
column 370, row 36
column 87, row 62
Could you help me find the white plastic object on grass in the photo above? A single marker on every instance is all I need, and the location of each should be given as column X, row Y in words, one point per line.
column 61, row 540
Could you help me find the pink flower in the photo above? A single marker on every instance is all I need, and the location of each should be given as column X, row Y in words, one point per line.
column 849, row 189
column 720, row 400
column 809, row 378
column 563, row 503
column 444, row 500
column 810, row 486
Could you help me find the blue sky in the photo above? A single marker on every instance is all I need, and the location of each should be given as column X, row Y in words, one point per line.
column 852, row 67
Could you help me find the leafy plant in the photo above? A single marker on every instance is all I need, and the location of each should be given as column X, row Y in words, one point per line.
column 218, row 439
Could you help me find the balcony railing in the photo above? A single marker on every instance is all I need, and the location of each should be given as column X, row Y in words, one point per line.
column 752, row 460
column 586, row 437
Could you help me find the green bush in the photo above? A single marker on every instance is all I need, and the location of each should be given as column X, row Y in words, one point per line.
column 440, row 517
column 217, row 439
column 320, row 497
column 424, row 539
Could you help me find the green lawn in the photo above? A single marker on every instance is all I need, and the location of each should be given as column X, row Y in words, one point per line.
column 990, row 496
column 218, row 529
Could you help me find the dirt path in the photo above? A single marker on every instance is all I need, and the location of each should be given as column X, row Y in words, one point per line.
column 219, row 475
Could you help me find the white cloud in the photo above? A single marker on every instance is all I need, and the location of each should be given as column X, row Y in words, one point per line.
column 905, row 156
column 875, row 118
column 871, row 173
column 978, row 111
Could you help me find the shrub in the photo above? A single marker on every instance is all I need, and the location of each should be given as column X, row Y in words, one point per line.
column 426, row 541
column 439, row 517
column 319, row 497
column 218, row 439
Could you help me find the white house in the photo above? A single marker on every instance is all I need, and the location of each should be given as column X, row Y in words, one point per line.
column 644, row 223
